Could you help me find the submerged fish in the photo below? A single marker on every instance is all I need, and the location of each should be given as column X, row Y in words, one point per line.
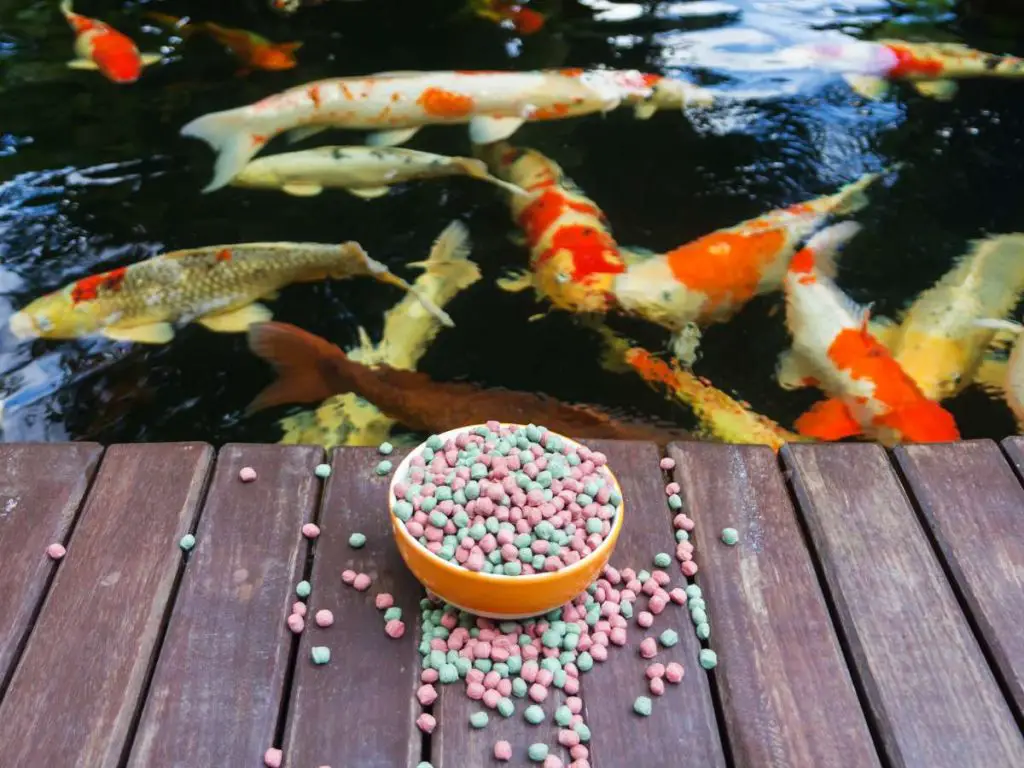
column 522, row 19
column 217, row 286
column 254, row 51
column 395, row 105
column 870, row 394
column 311, row 369
column 366, row 172
column 101, row 47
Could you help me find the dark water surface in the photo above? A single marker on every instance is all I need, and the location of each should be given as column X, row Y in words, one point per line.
column 95, row 176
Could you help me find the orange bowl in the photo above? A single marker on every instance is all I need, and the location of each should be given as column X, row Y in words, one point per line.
column 487, row 594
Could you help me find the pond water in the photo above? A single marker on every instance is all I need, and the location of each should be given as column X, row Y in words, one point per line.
column 94, row 175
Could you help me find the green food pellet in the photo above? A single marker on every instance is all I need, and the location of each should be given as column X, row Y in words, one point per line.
column 537, row 752
column 492, row 525
column 505, row 707
column 302, row 589
column 357, row 540
column 551, row 639
column 534, row 713
column 442, row 633
column 403, row 510
column 515, row 664
column 662, row 560
column 703, row 631
column 615, row 499
column 322, row 471
column 444, row 493
column 438, row 659
column 428, row 504
column 558, row 678
column 478, row 719
column 675, row 502
column 484, row 665
column 642, row 706
column 643, row 576
column 708, row 658
column 566, row 657
column 187, row 542
column 570, row 641
column 695, row 603
column 669, row 638
column 501, row 668
column 462, row 666
column 478, row 471
column 594, row 525
column 519, row 688
column 435, row 443
column 424, row 764
column 582, row 499
column 699, row 616
column 320, row 654
column 550, row 664
column 472, row 490
column 693, row 591
column 384, row 467
column 392, row 613
column 682, row 535
column 626, row 609
column 730, row 536
column 447, row 673
column 385, row 448
column 477, row 532
column 583, row 731
column 513, row 569
column 563, row 716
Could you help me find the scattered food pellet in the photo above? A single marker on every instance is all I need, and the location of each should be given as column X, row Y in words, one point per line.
column 534, row 714
column 322, row 471
column 642, row 706
column 703, row 630
column 478, row 719
column 504, row 706
column 247, row 474
column 649, row 647
column 385, row 448
column 320, row 654
column 502, row 751
column 426, row 723
column 708, row 658
column 392, row 613
column 674, row 672
column 187, row 542
column 385, row 600
column 656, row 686
column 395, row 628
column 311, row 530
column 347, row 577
column 56, row 551
column 537, row 752
column 303, row 588
column 272, row 758
column 324, row 618
column 730, row 536
column 357, row 540
column 662, row 560
column 361, row 582
column 553, row 761
column 299, row 607
column 667, row 464
column 296, row 623
column 424, row 764
column 669, row 638
column 384, row 467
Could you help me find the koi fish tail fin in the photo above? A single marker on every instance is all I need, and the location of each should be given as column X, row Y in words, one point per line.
column 1000, row 325
column 231, row 137
column 65, row 7
column 301, row 361
column 853, row 197
column 828, row 420
column 450, row 249
column 477, row 169
column 824, row 246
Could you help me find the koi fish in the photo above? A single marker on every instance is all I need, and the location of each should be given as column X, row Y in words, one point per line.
column 869, row 392
column 217, row 286
column 523, row 20
column 311, row 369
column 1013, row 384
column 395, row 105
column 99, row 46
column 254, row 51
column 574, row 260
column 366, row 172
column 710, row 279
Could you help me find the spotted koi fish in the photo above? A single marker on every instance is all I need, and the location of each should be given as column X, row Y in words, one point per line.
column 99, row 46
column 217, row 286
column 574, row 259
column 870, row 393
column 395, row 105
column 709, row 279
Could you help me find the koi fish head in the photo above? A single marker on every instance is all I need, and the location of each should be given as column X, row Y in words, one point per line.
column 117, row 57
column 54, row 317
column 558, row 279
column 275, row 57
column 669, row 93
column 936, row 363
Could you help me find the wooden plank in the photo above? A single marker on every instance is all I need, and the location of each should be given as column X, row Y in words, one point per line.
column 41, row 487
column 359, row 709
column 932, row 696
column 682, row 726
column 785, row 688
column 74, row 696
column 219, row 684
column 973, row 504
column 1014, row 447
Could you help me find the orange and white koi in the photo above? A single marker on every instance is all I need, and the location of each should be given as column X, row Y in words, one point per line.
column 254, row 51
column 99, row 46
column 574, row 259
column 522, row 19
column 395, row 105
column 711, row 278
column 217, row 286
column 869, row 392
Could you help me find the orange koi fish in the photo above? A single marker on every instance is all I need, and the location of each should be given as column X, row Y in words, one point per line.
column 869, row 392
column 99, row 46
column 574, row 259
column 710, row 279
column 254, row 51
column 523, row 20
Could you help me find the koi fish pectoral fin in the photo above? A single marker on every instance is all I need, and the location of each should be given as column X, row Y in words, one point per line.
column 515, row 282
column 295, row 135
column 301, row 189
column 238, row 320
column 685, row 343
column 391, row 138
column 793, row 371
column 368, row 193
column 867, row 86
column 148, row 59
column 154, row 333
column 82, row 64
column 940, row 90
column 828, row 420
column 487, row 130
column 644, row 110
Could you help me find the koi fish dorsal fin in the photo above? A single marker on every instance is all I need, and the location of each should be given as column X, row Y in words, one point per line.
column 940, row 90
column 828, row 420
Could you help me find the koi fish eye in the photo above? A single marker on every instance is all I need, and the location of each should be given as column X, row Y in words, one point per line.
column 562, row 277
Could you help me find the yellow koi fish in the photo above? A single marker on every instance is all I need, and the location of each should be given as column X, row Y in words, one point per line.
column 217, row 286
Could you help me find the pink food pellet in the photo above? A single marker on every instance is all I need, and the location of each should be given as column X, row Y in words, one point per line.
column 296, row 623
column 667, row 463
column 502, row 751
column 395, row 628
column 572, row 685
column 568, row 737
column 426, row 723
column 383, row 601
column 579, row 752
column 272, row 758
column 655, row 670
column 429, row 676
column 617, row 636
column 672, row 488
column 504, row 687
column 575, row 704
column 475, row 691
column 538, row 692
column 361, row 582
column 674, row 672
column 299, row 607
column 552, row 761
column 689, row 568
column 311, row 530
column 678, row 596
column 648, row 648
column 545, row 677
column 656, row 686
column 491, row 698
column 645, row 619
column 247, row 475
column 56, row 551
column 324, row 618
column 656, row 605
column 347, row 577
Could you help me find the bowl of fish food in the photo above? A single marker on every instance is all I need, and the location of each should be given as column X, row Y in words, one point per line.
column 505, row 521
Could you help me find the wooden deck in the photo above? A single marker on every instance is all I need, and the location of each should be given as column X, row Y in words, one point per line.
column 872, row 613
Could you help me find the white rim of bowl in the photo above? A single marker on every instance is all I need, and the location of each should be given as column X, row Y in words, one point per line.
column 403, row 467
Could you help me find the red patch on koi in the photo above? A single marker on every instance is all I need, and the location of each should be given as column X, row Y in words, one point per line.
column 552, row 112
column 593, row 251
column 88, row 288
column 441, row 103
column 314, row 94
column 258, row 140
column 909, row 65
column 223, row 255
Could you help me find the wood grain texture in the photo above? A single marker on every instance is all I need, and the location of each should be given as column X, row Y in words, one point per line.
column 74, row 696
column 359, row 709
column 682, row 728
column 933, row 698
column 41, row 487
column 219, row 683
column 785, row 689
column 1014, row 448
column 973, row 503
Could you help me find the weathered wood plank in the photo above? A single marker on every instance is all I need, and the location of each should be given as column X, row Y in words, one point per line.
column 974, row 505
column 359, row 709
column 219, row 684
column 1014, row 447
column 74, row 695
column 786, row 692
column 682, row 727
column 41, row 487
column 933, row 698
